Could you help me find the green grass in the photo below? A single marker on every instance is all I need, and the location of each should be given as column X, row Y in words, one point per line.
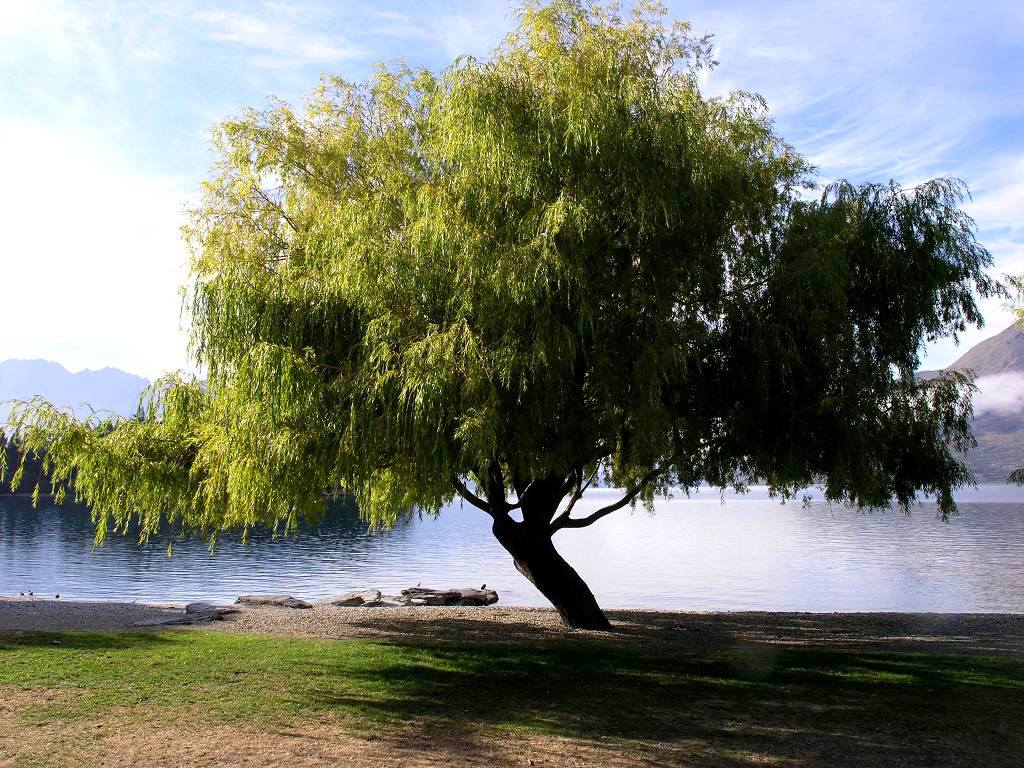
column 793, row 703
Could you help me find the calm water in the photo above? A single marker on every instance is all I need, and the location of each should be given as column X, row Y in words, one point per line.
column 699, row 553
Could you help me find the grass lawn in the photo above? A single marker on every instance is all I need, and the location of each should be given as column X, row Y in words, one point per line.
column 213, row 698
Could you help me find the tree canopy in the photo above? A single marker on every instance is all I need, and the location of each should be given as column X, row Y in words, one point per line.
column 558, row 263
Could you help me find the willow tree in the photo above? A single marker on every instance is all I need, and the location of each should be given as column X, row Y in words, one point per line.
column 555, row 266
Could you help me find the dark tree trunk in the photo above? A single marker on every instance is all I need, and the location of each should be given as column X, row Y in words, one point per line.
column 537, row 559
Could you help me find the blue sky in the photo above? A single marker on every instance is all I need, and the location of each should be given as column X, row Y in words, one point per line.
column 105, row 110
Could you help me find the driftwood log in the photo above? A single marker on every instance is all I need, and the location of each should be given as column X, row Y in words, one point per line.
column 413, row 596
column 354, row 599
column 469, row 596
column 195, row 613
column 283, row 601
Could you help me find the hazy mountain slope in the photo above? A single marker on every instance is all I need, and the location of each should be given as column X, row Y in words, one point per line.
column 1000, row 446
column 108, row 389
column 997, row 354
column 998, row 363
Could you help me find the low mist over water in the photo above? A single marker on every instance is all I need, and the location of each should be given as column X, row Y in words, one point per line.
column 701, row 553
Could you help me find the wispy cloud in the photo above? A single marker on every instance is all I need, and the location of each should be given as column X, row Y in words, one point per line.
column 870, row 89
column 453, row 32
column 279, row 37
column 998, row 198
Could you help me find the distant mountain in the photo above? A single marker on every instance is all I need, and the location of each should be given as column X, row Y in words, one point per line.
column 1001, row 353
column 998, row 364
column 107, row 389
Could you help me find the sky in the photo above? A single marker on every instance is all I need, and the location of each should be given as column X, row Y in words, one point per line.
column 106, row 107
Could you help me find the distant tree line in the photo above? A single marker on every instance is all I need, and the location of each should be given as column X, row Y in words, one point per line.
column 31, row 477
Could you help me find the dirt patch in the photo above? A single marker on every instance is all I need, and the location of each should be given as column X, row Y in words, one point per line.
column 191, row 740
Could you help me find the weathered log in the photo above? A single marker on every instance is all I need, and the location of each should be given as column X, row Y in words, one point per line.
column 195, row 613
column 283, row 601
column 216, row 611
column 468, row 596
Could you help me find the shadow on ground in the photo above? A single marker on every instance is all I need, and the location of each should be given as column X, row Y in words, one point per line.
column 725, row 699
column 737, row 706
column 985, row 634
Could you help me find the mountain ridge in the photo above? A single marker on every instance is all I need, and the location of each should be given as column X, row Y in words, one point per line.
column 104, row 389
column 997, row 354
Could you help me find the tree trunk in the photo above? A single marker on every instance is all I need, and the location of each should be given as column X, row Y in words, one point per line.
column 537, row 559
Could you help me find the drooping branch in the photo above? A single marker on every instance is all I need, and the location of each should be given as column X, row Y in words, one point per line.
column 472, row 498
column 564, row 521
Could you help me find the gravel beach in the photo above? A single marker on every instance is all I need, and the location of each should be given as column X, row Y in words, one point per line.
column 997, row 634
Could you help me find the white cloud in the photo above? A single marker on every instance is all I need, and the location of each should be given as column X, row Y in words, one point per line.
column 91, row 45
column 92, row 255
column 1000, row 393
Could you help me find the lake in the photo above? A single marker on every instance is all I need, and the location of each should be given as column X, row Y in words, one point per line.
column 699, row 553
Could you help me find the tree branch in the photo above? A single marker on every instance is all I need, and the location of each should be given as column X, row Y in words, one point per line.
column 574, row 480
column 576, row 496
column 521, row 496
column 564, row 521
column 495, row 486
column 472, row 498
column 277, row 207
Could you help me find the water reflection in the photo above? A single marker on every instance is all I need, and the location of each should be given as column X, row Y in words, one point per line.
column 698, row 553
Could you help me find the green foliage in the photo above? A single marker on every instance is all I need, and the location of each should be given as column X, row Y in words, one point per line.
column 557, row 261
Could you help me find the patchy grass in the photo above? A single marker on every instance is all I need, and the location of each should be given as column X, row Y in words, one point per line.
column 565, row 701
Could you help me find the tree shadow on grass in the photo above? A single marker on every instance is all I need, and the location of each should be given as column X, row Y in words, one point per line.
column 985, row 634
column 733, row 707
column 84, row 640
column 724, row 703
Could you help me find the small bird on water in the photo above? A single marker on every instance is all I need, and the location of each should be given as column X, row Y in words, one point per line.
column 57, row 596
column 30, row 594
